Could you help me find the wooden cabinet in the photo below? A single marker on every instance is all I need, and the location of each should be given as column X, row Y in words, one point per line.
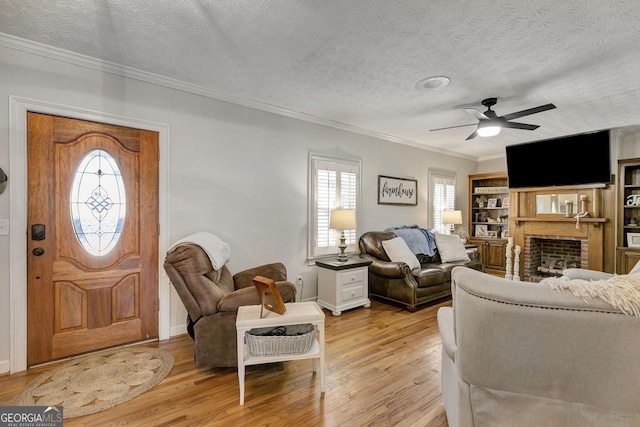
column 488, row 218
column 494, row 254
column 628, row 221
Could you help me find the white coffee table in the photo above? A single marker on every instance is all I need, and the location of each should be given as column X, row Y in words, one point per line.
column 297, row 313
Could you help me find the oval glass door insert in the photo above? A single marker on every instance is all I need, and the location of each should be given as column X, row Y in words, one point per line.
column 98, row 203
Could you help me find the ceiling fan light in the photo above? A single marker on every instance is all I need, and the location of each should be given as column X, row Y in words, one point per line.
column 488, row 130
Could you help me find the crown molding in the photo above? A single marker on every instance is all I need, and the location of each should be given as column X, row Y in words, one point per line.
column 62, row 55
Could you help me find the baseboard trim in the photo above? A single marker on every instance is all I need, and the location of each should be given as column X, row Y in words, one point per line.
column 4, row 366
column 178, row 330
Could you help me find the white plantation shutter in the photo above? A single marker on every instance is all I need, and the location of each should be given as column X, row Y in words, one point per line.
column 334, row 183
column 443, row 196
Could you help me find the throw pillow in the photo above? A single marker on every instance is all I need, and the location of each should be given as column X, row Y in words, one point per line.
column 398, row 251
column 451, row 248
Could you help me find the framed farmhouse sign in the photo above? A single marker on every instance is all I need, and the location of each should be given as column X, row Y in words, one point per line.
column 397, row 191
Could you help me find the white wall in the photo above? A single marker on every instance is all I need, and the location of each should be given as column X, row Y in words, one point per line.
column 493, row 165
column 630, row 146
column 238, row 172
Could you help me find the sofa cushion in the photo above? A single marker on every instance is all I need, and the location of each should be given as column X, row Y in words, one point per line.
column 398, row 251
column 429, row 276
column 451, row 248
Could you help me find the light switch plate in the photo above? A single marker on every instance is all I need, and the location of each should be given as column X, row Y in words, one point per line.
column 4, row 227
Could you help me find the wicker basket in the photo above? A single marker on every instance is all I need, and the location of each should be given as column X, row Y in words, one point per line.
column 292, row 339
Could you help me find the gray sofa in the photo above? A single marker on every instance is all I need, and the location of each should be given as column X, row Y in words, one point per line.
column 394, row 281
column 524, row 354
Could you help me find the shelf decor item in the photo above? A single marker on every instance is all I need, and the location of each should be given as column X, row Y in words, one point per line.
column 633, row 240
column 492, row 190
column 492, row 203
column 633, row 200
column 481, row 231
column 481, row 201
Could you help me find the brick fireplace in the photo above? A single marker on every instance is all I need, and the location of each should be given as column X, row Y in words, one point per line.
column 551, row 245
column 548, row 256
column 553, row 241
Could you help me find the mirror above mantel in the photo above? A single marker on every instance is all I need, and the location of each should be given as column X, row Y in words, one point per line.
column 556, row 203
column 549, row 203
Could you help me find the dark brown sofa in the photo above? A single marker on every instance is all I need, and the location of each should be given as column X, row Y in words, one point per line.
column 396, row 282
column 212, row 298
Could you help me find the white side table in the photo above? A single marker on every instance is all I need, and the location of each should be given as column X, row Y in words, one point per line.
column 343, row 285
column 297, row 313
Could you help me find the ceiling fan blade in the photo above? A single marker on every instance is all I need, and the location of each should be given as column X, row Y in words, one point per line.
column 516, row 125
column 473, row 135
column 477, row 114
column 528, row 112
column 452, row 127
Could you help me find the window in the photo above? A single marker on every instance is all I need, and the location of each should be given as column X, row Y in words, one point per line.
column 443, row 197
column 334, row 183
column 98, row 203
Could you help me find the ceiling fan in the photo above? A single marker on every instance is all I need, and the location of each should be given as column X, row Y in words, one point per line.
column 490, row 124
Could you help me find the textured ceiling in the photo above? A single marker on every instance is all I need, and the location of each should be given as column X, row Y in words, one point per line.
column 356, row 63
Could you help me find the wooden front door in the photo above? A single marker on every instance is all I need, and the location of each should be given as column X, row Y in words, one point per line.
column 92, row 238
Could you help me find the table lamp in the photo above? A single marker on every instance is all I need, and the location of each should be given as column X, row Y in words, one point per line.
column 453, row 218
column 342, row 219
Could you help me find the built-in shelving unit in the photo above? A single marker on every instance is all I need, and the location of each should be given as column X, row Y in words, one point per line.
column 489, row 218
column 628, row 224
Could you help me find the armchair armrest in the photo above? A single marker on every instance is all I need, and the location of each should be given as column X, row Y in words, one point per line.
column 581, row 273
column 245, row 296
column 447, row 333
column 250, row 296
column 390, row 270
column 275, row 271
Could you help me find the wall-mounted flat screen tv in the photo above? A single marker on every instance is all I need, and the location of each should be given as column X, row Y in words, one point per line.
column 571, row 160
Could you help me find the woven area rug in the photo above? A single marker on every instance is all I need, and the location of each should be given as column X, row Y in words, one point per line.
column 99, row 381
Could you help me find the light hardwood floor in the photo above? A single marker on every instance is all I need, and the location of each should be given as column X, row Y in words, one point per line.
column 383, row 369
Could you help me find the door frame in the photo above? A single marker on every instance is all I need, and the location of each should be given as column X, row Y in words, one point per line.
column 18, row 108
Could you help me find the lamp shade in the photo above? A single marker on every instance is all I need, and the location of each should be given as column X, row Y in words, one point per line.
column 342, row 219
column 452, row 217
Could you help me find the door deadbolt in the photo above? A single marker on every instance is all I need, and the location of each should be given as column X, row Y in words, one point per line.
column 37, row 232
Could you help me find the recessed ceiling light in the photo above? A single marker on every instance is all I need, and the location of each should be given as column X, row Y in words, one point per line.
column 433, row 83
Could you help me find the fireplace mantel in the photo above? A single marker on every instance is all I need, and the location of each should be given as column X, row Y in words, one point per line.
column 597, row 230
column 596, row 221
column 589, row 230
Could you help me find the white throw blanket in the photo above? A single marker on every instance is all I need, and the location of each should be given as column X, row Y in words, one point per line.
column 219, row 252
column 621, row 292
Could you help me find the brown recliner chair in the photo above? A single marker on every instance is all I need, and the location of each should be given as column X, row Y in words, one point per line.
column 212, row 298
